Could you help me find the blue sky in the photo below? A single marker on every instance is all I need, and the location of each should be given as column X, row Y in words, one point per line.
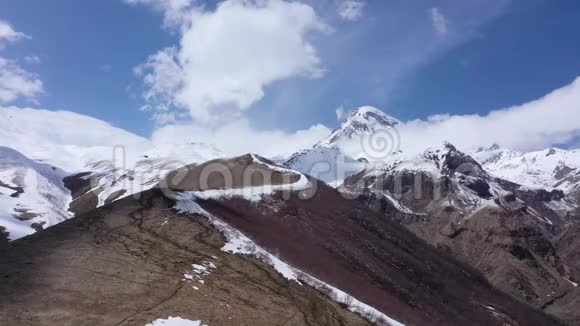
column 489, row 55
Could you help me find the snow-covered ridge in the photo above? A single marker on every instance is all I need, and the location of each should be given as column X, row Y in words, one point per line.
column 31, row 194
column 551, row 168
column 238, row 243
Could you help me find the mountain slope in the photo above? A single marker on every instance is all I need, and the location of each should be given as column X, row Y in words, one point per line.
column 501, row 228
column 134, row 261
column 341, row 243
column 32, row 195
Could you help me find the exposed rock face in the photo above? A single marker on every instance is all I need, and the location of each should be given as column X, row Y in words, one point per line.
column 3, row 237
column 540, row 195
column 505, row 231
column 567, row 245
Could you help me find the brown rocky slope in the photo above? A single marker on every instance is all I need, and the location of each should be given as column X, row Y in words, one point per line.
column 512, row 235
column 132, row 261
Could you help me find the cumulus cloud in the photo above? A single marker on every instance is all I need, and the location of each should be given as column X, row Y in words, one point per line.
column 550, row 120
column 227, row 56
column 8, row 34
column 240, row 137
column 438, row 20
column 351, row 9
column 16, row 82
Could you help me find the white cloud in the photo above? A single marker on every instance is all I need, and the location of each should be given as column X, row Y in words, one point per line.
column 15, row 82
column 225, row 59
column 239, row 137
column 550, row 120
column 351, row 9
column 438, row 20
column 227, row 56
column 162, row 77
column 340, row 112
column 7, row 33
column 69, row 140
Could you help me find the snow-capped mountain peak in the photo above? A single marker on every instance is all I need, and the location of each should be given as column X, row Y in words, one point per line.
column 494, row 153
column 362, row 121
column 550, row 168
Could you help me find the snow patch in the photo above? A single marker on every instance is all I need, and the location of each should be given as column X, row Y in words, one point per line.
column 175, row 321
column 573, row 283
column 198, row 272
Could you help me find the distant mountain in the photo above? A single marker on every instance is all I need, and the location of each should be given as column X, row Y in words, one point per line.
column 35, row 195
column 511, row 233
column 32, row 195
column 345, row 150
column 551, row 168
column 106, row 181
column 359, row 123
column 512, row 215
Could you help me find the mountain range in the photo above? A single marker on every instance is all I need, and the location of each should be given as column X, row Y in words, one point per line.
column 353, row 231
